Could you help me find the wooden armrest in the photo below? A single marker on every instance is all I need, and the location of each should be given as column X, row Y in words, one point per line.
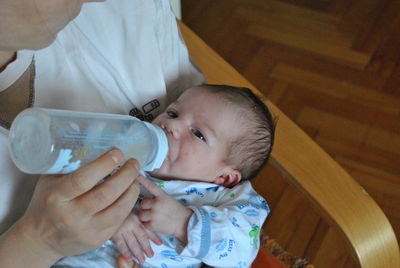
column 341, row 200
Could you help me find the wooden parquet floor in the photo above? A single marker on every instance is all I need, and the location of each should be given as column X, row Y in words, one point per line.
column 333, row 66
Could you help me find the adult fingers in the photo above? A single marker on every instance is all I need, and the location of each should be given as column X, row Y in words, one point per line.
column 150, row 186
column 116, row 213
column 84, row 179
column 106, row 193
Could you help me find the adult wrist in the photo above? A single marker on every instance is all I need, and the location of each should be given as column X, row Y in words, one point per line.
column 22, row 237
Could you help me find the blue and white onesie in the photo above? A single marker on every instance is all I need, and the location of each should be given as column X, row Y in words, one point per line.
column 222, row 232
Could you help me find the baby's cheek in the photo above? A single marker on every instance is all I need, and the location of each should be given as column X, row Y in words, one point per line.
column 188, row 159
column 190, row 155
column 156, row 121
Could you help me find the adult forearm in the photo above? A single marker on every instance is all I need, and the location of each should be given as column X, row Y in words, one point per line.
column 20, row 248
column 34, row 24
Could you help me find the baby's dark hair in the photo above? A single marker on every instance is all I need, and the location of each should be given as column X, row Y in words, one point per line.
column 251, row 151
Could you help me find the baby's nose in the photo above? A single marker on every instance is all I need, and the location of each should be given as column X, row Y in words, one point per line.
column 172, row 129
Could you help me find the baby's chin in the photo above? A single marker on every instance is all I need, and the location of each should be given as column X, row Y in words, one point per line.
column 161, row 170
column 163, row 176
column 156, row 172
column 163, row 173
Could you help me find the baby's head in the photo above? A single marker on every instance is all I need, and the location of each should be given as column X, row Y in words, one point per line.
column 216, row 133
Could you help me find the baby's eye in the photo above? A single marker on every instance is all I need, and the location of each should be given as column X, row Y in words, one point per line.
column 198, row 134
column 172, row 114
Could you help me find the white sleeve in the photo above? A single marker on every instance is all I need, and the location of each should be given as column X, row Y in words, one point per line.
column 227, row 234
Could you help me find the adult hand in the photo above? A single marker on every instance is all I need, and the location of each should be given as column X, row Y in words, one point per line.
column 163, row 213
column 133, row 237
column 71, row 214
column 34, row 24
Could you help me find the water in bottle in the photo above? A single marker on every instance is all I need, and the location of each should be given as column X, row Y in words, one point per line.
column 48, row 141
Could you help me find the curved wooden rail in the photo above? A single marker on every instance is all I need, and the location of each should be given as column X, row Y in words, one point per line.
column 342, row 201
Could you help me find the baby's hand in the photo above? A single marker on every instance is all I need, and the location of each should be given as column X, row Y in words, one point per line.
column 163, row 213
column 133, row 237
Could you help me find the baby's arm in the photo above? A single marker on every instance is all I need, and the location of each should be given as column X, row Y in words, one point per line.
column 225, row 235
column 222, row 234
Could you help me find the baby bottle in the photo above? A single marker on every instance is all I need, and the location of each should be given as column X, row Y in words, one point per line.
column 48, row 141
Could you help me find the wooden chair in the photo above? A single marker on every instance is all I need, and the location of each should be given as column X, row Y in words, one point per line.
column 339, row 198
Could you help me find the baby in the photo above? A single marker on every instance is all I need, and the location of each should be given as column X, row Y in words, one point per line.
column 202, row 205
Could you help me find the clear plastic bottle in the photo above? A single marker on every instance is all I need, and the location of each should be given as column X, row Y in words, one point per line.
column 48, row 141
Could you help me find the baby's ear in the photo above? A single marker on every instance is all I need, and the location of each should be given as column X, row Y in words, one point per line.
column 229, row 177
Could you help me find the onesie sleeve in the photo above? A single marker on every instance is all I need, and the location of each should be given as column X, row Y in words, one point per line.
column 226, row 233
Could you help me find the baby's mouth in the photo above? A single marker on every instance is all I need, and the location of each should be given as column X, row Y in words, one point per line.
column 169, row 150
column 168, row 157
column 172, row 146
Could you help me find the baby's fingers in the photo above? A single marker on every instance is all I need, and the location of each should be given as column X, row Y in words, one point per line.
column 144, row 241
column 153, row 237
column 135, row 248
column 150, row 186
column 122, row 247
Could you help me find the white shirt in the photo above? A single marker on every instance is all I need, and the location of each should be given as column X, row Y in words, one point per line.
column 115, row 56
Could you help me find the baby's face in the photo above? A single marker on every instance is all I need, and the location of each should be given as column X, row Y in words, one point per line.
column 199, row 127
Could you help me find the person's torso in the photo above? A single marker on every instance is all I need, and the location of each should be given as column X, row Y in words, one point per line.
column 95, row 65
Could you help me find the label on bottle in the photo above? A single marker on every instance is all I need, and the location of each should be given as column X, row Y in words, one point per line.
column 63, row 164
